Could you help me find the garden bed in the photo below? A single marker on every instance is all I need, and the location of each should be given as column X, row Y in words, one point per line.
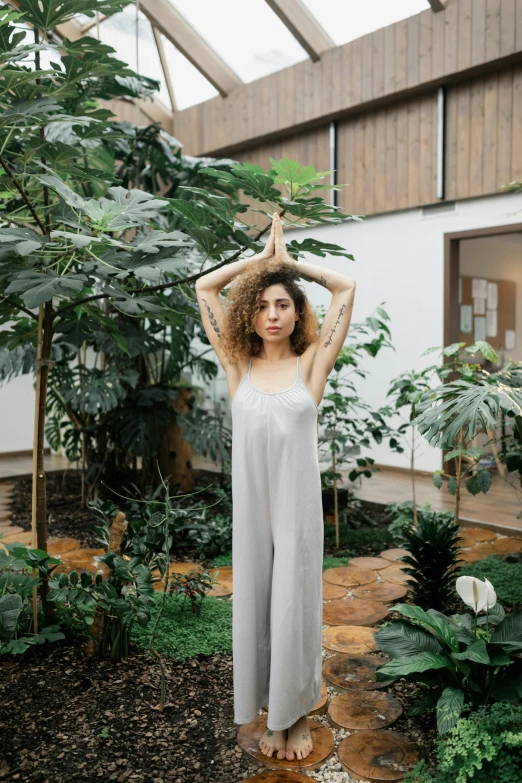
column 65, row 717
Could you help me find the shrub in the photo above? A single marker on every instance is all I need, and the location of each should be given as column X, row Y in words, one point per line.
column 401, row 516
column 465, row 664
column 16, row 604
column 432, row 559
column 486, row 746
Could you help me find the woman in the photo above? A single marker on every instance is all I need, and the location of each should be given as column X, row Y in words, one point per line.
column 276, row 366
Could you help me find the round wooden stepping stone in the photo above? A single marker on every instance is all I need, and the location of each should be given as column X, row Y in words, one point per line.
column 357, row 672
column 20, row 538
column 373, row 563
column 278, row 776
column 351, row 639
column 7, row 530
column 478, row 533
column 59, row 546
column 83, row 554
column 354, row 611
column 330, row 591
column 319, row 707
column 249, row 734
column 464, row 543
column 225, row 573
column 394, row 554
column 88, row 564
column 184, row 568
column 349, row 576
column 506, row 545
column 359, row 710
column 377, row 755
column 473, row 555
column 221, row 589
column 395, row 574
column 387, row 592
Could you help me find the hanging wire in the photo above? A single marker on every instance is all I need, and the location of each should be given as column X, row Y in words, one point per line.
column 137, row 121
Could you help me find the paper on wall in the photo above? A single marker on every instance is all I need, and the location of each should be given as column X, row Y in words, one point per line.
column 479, row 306
column 510, row 339
column 480, row 328
column 492, row 296
column 466, row 319
column 491, row 323
column 479, row 288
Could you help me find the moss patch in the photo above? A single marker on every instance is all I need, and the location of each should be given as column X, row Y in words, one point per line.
column 182, row 634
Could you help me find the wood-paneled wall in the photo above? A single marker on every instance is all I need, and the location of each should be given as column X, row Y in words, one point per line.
column 484, row 134
column 412, row 56
column 388, row 157
column 310, row 149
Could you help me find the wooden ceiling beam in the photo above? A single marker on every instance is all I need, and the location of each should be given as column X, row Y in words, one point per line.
column 179, row 32
column 303, row 25
column 437, row 5
column 164, row 65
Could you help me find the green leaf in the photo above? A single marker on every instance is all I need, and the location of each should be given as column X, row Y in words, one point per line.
column 485, row 349
column 400, row 638
column 435, row 622
column 473, row 453
column 472, row 485
column 449, row 708
column 437, row 480
column 47, row 14
column 425, row 703
column 10, row 608
column 484, row 479
column 476, row 652
column 452, row 485
column 317, row 248
column 420, row 662
column 36, row 288
column 153, row 241
column 508, row 633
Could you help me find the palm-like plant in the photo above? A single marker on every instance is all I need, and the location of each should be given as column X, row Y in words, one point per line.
column 432, row 559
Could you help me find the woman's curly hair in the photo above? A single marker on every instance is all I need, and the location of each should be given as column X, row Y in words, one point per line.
column 241, row 306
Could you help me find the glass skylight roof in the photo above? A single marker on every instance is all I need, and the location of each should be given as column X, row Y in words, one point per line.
column 246, row 34
column 119, row 31
column 345, row 20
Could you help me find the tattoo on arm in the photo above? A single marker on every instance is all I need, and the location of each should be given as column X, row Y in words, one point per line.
column 211, row 318
column 341, row 311
column 321, row 280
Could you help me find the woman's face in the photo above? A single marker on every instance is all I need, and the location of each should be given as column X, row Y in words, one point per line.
column 276, row 317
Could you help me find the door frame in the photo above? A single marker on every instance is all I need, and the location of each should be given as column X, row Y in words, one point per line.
column 452, row 270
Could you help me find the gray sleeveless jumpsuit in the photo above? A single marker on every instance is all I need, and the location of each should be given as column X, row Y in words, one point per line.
column 277, row 553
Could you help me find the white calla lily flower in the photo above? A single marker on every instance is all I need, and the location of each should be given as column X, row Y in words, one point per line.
column 473, row 592
column 492, row 596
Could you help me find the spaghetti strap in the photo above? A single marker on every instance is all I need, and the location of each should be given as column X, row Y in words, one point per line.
column 249, row 366
column 299, row 367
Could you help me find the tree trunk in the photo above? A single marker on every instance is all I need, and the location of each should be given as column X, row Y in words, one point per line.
column 175, row 454
column 117, row 531
column 42, row 369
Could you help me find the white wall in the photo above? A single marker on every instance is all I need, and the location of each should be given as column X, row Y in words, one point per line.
column 399, row 260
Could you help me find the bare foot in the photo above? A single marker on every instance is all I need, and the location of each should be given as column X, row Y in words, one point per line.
column 299, row 743
column 273, row 742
